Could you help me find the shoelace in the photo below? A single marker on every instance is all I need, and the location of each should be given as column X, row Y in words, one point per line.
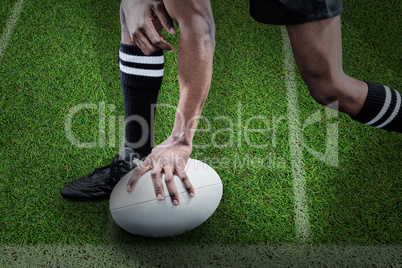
column 114, row 169
column 90, row 177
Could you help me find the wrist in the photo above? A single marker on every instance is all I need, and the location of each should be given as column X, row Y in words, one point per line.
column 181, row 138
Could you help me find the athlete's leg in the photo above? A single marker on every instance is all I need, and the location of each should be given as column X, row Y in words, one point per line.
column 317, row 48
column 141, row 78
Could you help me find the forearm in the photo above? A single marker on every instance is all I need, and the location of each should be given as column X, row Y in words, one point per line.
column 195, row 73
column 195, row 58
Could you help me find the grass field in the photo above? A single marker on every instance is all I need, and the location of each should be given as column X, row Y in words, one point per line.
column 64, row 53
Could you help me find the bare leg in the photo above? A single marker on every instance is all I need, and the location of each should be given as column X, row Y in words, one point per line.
column 141, row 78
column 125, row 35
column 317, row 48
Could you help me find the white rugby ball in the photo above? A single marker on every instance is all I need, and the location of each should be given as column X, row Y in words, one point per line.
column 140, row 213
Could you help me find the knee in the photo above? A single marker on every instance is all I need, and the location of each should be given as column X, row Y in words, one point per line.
column 323, row 89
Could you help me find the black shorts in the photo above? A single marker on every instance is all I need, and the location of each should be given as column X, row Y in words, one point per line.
column 288, row 12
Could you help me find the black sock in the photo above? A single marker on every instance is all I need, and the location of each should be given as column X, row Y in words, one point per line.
column 141, row 78
column 382, row 108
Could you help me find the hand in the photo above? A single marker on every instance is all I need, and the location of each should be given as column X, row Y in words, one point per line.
column 170, row 158
column 143, row 22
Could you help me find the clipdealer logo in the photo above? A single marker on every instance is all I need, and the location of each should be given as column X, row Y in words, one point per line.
column 107, row 133
column 330, row 154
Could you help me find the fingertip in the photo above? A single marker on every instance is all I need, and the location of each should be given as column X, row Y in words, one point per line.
column 159, row 197
column 175, row 202
column 172, row 30
column 128, row 188
column 191, row 195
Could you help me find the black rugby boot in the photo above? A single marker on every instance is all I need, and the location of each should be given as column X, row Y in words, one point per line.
column 100, row 183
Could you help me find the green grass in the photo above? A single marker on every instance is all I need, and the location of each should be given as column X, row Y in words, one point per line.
column 63, row 54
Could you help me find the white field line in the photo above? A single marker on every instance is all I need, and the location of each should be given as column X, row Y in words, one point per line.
column 296, row 143
column 9, row 29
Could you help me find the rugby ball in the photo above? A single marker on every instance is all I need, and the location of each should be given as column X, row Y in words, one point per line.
column 140, row 213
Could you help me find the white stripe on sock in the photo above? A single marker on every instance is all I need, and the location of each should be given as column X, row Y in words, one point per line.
column 141, row 59
column 385, row 107
column 394, row 113
column 141, row 72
